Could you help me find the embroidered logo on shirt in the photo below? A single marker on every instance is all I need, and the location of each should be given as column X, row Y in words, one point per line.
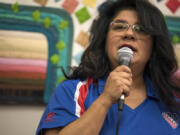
column 171, row 118
column 49, row 117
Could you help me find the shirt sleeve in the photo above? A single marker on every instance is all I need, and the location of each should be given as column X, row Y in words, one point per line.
column 61, row 108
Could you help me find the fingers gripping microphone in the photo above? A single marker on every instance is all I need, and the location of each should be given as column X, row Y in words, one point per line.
column 125, row 54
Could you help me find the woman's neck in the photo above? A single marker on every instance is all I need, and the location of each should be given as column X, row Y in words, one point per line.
column 137, row 93
column 138, row 82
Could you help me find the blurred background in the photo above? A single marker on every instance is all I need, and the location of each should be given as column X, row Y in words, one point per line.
column 37, row 39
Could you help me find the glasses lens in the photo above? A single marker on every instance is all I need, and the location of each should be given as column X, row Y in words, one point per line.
column 138, row 29
column 118, row 26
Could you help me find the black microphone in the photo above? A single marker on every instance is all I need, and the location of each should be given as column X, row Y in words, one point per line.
column 125, row 54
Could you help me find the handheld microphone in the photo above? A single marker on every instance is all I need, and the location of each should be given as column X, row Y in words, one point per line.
column 125, row 54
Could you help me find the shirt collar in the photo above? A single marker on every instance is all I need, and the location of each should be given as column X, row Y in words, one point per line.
column 151, row 91
column 101, row 84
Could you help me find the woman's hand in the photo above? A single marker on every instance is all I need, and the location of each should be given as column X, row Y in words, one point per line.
column 118, row 82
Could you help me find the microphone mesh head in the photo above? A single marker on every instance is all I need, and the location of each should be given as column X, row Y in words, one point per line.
column 125, row 54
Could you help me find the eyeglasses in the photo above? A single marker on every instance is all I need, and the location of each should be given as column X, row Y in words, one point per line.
column 119, row 26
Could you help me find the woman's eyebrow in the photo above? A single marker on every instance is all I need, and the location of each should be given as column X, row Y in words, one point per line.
column 119, row 20
column 123, row 21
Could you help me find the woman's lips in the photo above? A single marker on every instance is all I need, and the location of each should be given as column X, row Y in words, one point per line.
column 129, row 46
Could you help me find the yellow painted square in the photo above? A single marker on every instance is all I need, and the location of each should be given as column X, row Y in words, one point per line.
column 90, row 3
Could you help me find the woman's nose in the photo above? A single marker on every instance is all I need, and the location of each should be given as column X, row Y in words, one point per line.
column 128, row 35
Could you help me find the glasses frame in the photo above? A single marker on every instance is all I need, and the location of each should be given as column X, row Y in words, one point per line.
column 128, row 26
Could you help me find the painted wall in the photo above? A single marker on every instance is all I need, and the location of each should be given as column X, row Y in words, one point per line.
column 23, row 119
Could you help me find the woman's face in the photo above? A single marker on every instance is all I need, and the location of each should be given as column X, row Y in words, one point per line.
column 134, row 37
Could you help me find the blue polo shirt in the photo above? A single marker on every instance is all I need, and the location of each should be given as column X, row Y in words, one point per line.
column 73, row 97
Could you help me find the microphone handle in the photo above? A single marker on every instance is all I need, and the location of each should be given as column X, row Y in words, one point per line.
column 121, row 102
column 125, row 62
column 121, row 99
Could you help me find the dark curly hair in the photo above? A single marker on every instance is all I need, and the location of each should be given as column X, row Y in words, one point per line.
column 162, row 63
